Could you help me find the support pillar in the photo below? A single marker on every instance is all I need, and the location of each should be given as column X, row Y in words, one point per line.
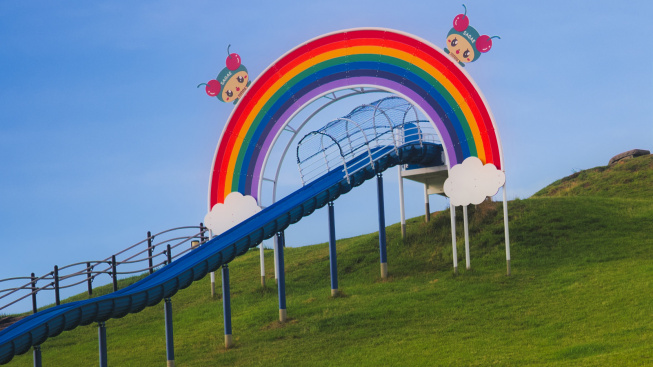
column 382, row 240
column 226, row 307
column 282, row 277
column 276, row 260
column 37, row 356
column 466, row 225
column 212, row 284
column 427, row 204
column 102, row 337
column 170, row 347
column 505, row 225
column 262, row 249
column 333, row 261
column 402, row 209
column 453, row 238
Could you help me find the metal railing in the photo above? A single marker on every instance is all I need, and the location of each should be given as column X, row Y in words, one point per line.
column 155, row 251
column 359, row 139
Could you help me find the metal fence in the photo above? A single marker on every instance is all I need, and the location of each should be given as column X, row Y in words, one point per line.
column 140, row 258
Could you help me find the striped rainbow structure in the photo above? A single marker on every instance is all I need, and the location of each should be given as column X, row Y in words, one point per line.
column 371, row 57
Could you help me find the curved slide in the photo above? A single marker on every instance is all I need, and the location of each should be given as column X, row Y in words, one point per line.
column 35, row 329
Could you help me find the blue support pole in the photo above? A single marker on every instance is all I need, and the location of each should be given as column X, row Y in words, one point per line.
column 282, row 277
column 37, row 356
column 382, row 241
column 102, row 336
column 170, row 347
column 226, row 307
column 333, row 261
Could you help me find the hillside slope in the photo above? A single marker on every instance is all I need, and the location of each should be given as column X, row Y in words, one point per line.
column 580, row 293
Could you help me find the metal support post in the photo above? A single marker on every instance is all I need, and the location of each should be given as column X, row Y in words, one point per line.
column 212, row 284
column 102, row 337
column 149, row 252
column 114, row 272
column 34, row 308
column 38, row 362
column 466, row 225
column 427, row 204
column 382, row 241
column 89, row 279
column 57, row 299
column 402, row 210
column 276, row 260
column 453, row 238
column 333, row 261
column 505, row 225
column 262, row 249
column 170, row 346
column 282, row 278
column 226, row 307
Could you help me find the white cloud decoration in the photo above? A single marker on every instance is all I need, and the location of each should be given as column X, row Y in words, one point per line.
column 236, row 208
column 471, row 182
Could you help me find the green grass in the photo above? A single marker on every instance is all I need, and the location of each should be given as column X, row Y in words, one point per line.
column 580, row 294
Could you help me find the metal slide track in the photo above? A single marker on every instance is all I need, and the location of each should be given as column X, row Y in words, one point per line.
column 35, row 329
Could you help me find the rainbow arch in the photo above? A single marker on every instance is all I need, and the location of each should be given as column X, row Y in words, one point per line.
column 365, row 57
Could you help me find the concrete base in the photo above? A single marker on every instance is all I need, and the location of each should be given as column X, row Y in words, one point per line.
column 384, row 270
column 334, row 292
column 403, row 231
column 171, row 363
column 228, row 341
column 263, row 281
column 508, row 267
column 282, row 315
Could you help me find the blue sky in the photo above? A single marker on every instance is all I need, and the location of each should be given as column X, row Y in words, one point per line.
column 104, row 136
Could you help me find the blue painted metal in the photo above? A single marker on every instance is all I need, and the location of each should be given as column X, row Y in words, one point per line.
column 382, row 241
column 226, row 299
column 282, row 272
column 170, row 343
column 194, row 265
column 333, row 261
column 102, row 338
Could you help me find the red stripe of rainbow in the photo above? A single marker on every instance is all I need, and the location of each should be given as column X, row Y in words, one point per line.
column 380, row 58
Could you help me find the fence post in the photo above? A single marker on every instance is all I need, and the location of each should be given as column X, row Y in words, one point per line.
column 203, row 238
column 34, row 308
column 114, row 274
column 56, row 285
column 149, row 251
column 89, row 278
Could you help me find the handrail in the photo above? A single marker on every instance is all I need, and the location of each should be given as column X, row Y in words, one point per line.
column 14, row 293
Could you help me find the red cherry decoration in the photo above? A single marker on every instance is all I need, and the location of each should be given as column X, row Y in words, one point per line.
column 213, row 87
column 233, row 60
column 484, row 43
column 461, row 21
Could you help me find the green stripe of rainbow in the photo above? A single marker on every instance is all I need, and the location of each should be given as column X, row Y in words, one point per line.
column 380, row 58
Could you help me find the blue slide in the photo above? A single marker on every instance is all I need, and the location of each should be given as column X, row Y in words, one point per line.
column 35, row 329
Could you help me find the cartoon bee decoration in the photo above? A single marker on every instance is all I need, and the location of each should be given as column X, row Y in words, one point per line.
column 231, row 83
column 464, row 42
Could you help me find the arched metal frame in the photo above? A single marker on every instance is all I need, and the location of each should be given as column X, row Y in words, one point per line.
column 333, row 97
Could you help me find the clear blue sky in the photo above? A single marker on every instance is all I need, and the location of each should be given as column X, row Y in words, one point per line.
column 104, row 136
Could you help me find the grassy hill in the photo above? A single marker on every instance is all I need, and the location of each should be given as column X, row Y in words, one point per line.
column 580, row 293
